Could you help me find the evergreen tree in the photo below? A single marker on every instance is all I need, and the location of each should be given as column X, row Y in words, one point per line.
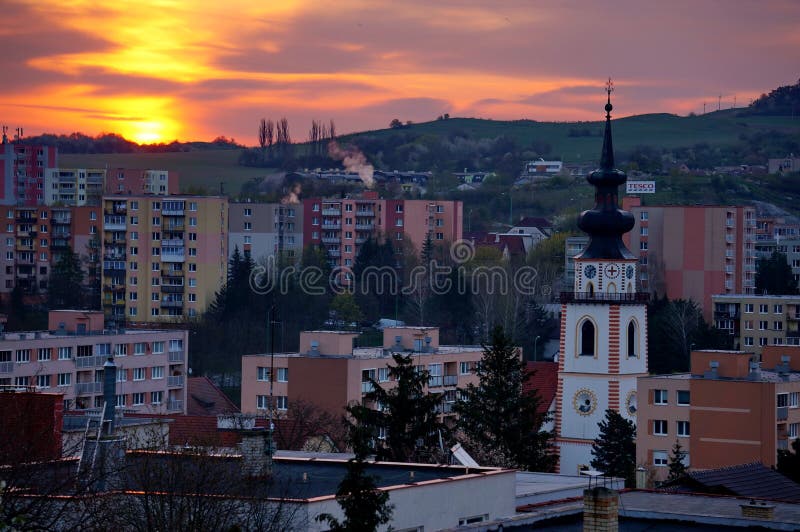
column 774, row 276
column 345, row 311
column 614, row 450
column 789, row 462
column 66, row 283
column 676, row 466
column 498, row 418
column 407, row 414
column 376, row 279
column 365, row 507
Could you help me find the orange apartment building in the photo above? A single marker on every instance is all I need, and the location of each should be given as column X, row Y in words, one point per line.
column 163, row 257
column 68, row 359
column 33, row 239
column 330, row 371
column 693, row 251
column 341, row 225
column 729, row 410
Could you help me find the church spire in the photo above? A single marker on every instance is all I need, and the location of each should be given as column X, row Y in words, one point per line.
column 606, row 223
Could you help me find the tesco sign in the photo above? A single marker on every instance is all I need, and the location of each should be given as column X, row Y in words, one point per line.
column 640, row 187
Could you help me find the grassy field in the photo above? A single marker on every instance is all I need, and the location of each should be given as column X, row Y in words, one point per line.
column 199, row 170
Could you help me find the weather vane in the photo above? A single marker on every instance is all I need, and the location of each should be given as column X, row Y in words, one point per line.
column 609, row 90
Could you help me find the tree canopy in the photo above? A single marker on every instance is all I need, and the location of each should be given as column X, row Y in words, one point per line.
column 614, row 450
column 774, row 276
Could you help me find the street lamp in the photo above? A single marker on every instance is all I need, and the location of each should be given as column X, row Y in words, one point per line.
column 535, row 351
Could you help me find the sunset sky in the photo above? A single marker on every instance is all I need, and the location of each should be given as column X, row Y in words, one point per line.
column 163, row 70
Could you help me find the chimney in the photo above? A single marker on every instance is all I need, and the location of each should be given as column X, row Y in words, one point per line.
column 600, row 509
column 255, row 456
column 754, row 373
column 314, row 351
column 109, row 395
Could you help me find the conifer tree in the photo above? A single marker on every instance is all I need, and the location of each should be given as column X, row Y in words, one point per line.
column 677, row 468
column 614, row 450
column 66, row 283
column 498, row 418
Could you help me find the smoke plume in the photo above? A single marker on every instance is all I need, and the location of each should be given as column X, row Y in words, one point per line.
column 292, row 196
column 353, row 161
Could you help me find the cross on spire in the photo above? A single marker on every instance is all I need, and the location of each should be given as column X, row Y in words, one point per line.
column 609, row 90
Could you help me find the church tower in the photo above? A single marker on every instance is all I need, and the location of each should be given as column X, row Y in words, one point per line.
column 603, row 322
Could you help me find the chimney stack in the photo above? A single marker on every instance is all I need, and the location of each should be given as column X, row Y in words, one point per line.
column 600, row 510
column 109, row 395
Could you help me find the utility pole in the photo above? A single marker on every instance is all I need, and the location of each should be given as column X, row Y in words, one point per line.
column 704, row 107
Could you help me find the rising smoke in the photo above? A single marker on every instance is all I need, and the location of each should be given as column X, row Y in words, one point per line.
column 292, row 196
column 353, row 161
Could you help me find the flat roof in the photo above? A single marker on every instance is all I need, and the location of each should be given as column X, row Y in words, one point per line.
column 676, row 376
column 755, row 296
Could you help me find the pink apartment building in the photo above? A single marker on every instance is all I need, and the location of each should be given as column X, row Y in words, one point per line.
column 68, row 359
column 693, row 251
column 330, row 371
column 341, row 225
column 22, row 172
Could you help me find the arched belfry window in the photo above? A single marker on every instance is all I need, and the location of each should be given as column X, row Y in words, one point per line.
column 587, row 335
column 630, row 288
column 612, row 288
column 590, row 289
column 631, row 339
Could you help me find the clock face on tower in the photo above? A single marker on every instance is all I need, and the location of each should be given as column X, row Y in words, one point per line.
column 630, row 403
column 584, row 402
column 590, row 271
column 612, row 271
column 629, row 271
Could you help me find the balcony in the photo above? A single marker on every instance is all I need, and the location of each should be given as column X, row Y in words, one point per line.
column 782, row 413
column 92, row 361
column 602, row 297
column 177, row 274
column 331, row 227
column 172, row 288
column 114, row 287
column 364, row 227
column 175, row 404
column 434, row 381
column 171, row 304
column 172, row 242
column 367, row 387
column 172, row 211
column 334, row 253
column 176, row 356
column 331, row 212
column 85, row 388
column 451, row 380
column 360, row 239
column 114, row 223
column 173, row 257
column 111, row 265
column 330, row 240
column 174, row 226
column 62, row 220
column 175, row 381
column 6, row 367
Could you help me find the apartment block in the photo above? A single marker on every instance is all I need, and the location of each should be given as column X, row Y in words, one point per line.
column 22, row 169
column 341, row 225
column 133, row 181
column 730, row 409
column 163, row 257
column 331, row 371
column 34, row 238
column 266, row 229
column 68, row 359
column 693, row 251
column 758, row 321
column 74, row 186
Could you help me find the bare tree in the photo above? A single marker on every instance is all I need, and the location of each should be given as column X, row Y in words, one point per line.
column 262, row 134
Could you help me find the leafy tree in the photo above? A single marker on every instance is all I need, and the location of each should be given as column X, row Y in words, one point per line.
column 774, row 276
column 395, row 124
column 344, row 310
column 407, row 415
column 676, row 466
column 614, row 450
column 501, row 423
column 789, row 462
column 66, row 282
column 365, row 507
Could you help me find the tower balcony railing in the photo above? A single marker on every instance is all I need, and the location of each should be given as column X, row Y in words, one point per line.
column 603, row 297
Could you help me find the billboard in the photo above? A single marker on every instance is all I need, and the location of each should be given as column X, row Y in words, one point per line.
column 640, row 187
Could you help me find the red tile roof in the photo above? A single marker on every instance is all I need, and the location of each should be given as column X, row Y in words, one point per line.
column 544, row 380
column 204, row 398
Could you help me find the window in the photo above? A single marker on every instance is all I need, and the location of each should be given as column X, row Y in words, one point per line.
column 643, row 245
column 587, row 339
column 762, row 341
column 463, row 521
column 261, row 402
column 175, row 345
column 158, row 347
column 157, row 372
column 192, row 267
column 43, row 381
column 64, row 379
column 631, row 339
column 643, row 231
column 43, row 354
column 383, row 374
column 439, row 236
column 748, row 340
column 248, row 226
column 660, row 397
column 64, row 353
column 660, row 427
column 683, row 397
column 263, row 374
column 248, row 212
column 156, row 398
column 777, row 309
column 463, row 368
column 398, row 222
column 192, row 205
column 192, row 222
column 793, row 399
column 782, row 400
column 683, row 428
column 748, row 325
column 139, row 348
column 660, row 458
column 23, row 355
column 794, row 428
column 748, row 307
column 348, row 208
column 21, row 381
column 138, row 374
column 122, row 375
column 763, row 308
column 777, row 325
column 283, row 374
column 137, row 399
column 281, row 402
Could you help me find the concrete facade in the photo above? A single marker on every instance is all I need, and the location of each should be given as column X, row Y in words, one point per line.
column 255, row 228
column 68, row 359
column 74, row 186
column 132, row 181
column 693, row 252
column 739, row 410
column 22, row 168
column 162, row 257
column 331, row 373
column 758, row 321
